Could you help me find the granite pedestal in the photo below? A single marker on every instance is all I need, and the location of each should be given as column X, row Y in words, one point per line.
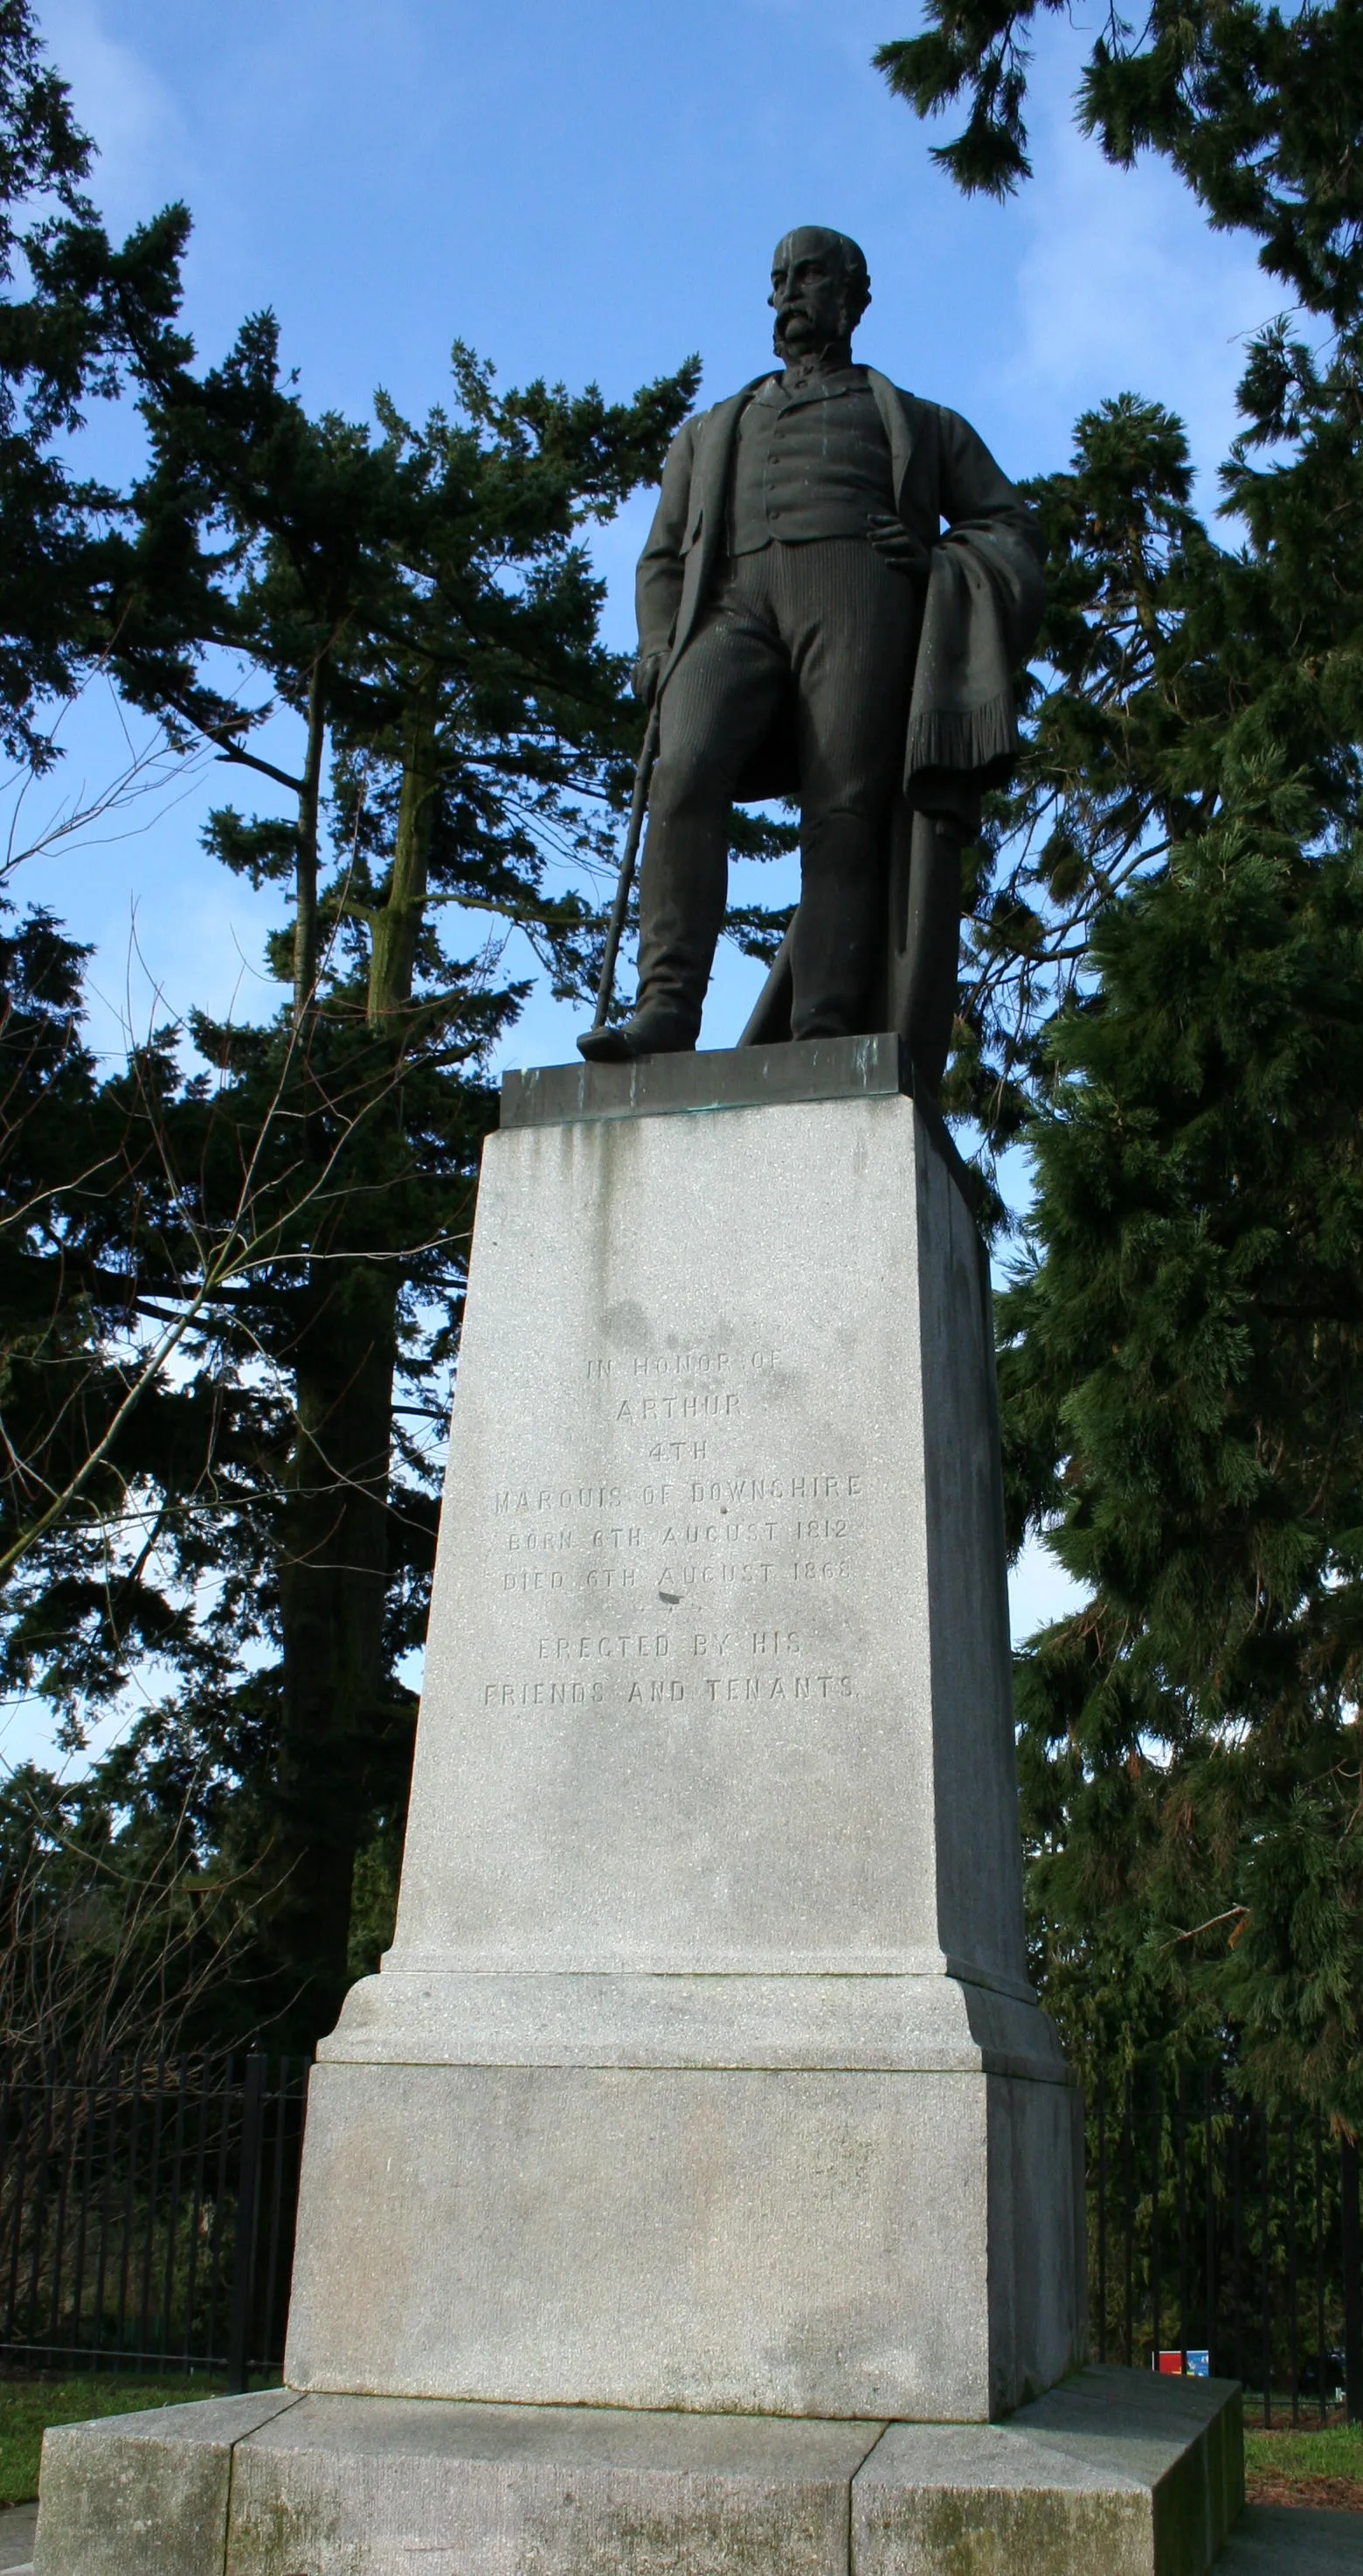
column 703, row 2070
column 702, row 2122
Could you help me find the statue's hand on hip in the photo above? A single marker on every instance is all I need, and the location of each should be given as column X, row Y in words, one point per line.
column 897, row 543
column 645, row 677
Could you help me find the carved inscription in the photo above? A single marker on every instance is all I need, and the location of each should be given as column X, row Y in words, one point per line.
column 679, row 1586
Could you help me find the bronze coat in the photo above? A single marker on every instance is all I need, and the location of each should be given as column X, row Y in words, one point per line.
column 979, row 616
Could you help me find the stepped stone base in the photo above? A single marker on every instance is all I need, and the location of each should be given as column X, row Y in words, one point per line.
column 1114, row 2472
column 703, row 2072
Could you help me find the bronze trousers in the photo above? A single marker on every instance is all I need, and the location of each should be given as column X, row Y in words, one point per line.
column 830, row 628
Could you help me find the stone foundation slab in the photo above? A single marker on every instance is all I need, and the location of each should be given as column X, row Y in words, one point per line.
column 1112, row 2473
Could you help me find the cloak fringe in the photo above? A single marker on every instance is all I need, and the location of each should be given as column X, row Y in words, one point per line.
column 971, row 739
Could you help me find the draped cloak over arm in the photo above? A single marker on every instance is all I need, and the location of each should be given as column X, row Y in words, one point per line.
column 980, row 617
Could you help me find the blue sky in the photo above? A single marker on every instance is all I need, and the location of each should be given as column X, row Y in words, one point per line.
column 586, row 192
column 589, row 192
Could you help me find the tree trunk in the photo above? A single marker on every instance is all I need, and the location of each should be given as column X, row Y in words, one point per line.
column 339, row 1706
column 305, row 939
column 333, row 1588
column 397, row 926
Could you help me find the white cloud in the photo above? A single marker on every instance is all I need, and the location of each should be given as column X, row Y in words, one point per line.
column 1125, row 288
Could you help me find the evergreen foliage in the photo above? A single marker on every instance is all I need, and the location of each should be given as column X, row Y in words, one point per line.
column 419, row 603
column 77, row 318
column 233, row 1300
column 1257, row 108
column 1182, row 1337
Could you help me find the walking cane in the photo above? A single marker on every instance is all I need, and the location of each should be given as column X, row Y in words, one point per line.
column 642, row 776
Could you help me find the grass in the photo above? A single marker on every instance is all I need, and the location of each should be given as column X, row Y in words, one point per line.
column 1329, row 2451
column 28, row 2406
column 1321, row 2467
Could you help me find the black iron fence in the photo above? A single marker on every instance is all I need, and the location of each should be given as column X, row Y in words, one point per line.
column 1225, row 2239
column 146, row 2214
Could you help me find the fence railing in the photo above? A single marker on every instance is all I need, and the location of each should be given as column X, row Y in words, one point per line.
column 147, row 2216
column 1217, row 2229
column 147, row 2213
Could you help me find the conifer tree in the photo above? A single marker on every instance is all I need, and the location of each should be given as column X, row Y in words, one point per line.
column 418, row 600
column 77, row 318
column 1180, row 1345
column 231, row 1301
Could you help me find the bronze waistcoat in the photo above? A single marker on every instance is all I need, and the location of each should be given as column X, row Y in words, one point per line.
column 811, row 464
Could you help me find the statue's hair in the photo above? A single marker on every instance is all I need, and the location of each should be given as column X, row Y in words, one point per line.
column 854, row 266
column 856, row 272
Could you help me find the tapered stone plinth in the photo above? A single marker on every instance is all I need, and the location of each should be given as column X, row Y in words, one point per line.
column 703, row 2071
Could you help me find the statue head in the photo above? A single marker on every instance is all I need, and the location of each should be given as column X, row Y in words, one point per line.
column 820, row 288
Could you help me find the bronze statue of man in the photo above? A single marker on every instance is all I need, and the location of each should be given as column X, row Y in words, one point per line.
column 836, row 592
